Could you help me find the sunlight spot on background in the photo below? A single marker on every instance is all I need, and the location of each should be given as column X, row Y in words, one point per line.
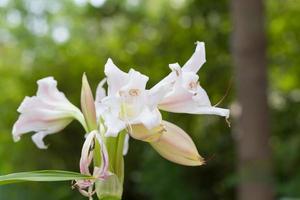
column 28, row 58
column 214, row 19
column 131, row 48
column 14, row 18
column 150, row 33
column 277, row 101
column 36, row 7
column 3, row 3
column 38, row 26
column 177, row 4
column 5, row 36
column 185, row 22
column 60, row 34
column 295, row 95
column 54, row 7
column 97, row 3
column 133, row 3
column 80, row 3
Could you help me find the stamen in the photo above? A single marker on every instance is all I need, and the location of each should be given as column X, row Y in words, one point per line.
column 121, row 93
column 228, row 122
column 134, row 92
column 128, row 125
column 226, row 93
column 193, row 85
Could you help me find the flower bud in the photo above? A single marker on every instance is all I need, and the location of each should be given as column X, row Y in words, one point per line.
column 88, row 105
column 177, row 146
column 140, row 132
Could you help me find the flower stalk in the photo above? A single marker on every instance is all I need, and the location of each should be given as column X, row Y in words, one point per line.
column 112, row 188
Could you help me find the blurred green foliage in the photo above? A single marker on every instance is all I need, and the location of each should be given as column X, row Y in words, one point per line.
column 64, row 38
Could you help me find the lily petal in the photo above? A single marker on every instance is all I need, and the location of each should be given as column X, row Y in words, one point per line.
column 100, row 94
column 157, row 94
column 175, row 145
column 150, row 118
column 100, row 172
column 136, row 80
column 46, row 113
column 113, row 124
column 197, row 59
column 86, row 153
column 103, row 172
column 115, row 77
column 183, row 101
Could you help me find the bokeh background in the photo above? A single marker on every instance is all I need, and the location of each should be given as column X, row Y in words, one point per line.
column 65, row 38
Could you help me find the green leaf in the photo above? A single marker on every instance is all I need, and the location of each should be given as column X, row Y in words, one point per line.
column 42, row 176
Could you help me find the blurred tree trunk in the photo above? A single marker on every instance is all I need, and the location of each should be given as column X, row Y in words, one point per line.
column 252, row 129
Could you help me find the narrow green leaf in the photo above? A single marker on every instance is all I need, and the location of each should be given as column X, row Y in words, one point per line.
column 42, row 176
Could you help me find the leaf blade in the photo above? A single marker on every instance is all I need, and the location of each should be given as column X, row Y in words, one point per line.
column 42, row 176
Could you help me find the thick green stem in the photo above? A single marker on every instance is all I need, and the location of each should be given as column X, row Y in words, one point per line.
column 110, row 198
column 112, row 187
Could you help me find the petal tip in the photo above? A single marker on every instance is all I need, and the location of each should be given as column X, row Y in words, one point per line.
column 201, row 161
column 16, row 138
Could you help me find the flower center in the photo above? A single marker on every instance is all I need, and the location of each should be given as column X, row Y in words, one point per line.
column 131, row 103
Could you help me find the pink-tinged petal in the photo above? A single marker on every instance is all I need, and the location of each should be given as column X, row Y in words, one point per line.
column 177, row 100
column 37, row 138
column 86, row 153
column 201, row 97
column 197, row 59
column 47, row 88
column 126, row 145
column 46, row 113
column 103, row 169
column 140, row 132
column 88, row 104
column 175, row 145
column 100, row 172
column 181, row 100
column 38, row 122
column 115, row 77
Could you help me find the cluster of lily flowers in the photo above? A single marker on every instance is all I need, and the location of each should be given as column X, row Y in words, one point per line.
column 126, row 109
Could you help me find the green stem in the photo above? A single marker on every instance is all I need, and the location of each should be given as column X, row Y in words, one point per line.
column 110, row 198
column 97, row 154
column 112, row 187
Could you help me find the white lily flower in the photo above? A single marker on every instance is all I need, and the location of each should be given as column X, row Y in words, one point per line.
column 128, row 102
column 46, row 113
column 187, row 95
